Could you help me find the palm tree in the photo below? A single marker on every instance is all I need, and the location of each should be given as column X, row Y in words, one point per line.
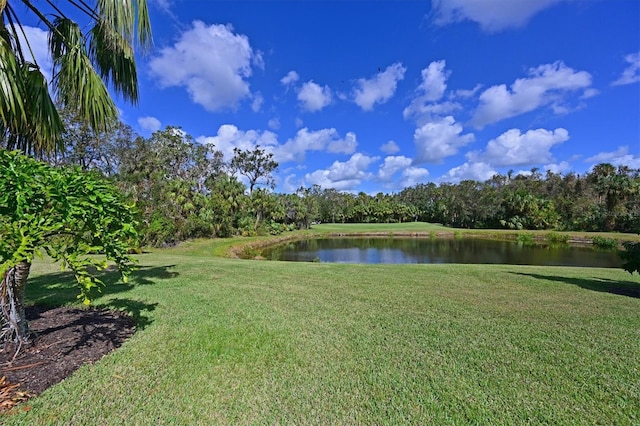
column 84, row 63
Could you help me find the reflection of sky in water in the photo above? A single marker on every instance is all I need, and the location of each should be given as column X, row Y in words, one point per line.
column 417, row 250
column 374, row 255
column 371, row 255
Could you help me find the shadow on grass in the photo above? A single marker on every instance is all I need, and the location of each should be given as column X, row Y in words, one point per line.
column 623, row 288
column 61, row 288
column 136, row 309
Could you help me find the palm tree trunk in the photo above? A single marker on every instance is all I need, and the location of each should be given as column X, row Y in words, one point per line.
column 12, row 291
column 3, row 6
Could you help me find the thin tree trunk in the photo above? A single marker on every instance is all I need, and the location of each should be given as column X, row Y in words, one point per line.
column 258, row 217
column 12, row 291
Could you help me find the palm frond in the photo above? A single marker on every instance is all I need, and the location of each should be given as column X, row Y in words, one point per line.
column 114, row 59
column 42, row 114
column 144, row 25
column 83, row 66
column 12, row 109
column 30, row 120
column 122, row 16
column 77, row 83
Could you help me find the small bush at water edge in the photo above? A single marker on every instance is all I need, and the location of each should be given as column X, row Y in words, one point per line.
column 604, row 243
column 526, row 239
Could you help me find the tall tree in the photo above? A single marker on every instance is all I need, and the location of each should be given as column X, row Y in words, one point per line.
column 265, row 205
column 256, row 165
column 615, row 187
column 91, row 150
column 168, row 176
column 84, row 63
column 226, row 203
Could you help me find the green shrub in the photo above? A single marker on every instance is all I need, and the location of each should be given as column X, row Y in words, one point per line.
column 527, row 239
column 246, row 226
column 555, row 238
column 251, row 252
column 604, row 243
column 513, row 223
column 160, row 231
column 275, row 228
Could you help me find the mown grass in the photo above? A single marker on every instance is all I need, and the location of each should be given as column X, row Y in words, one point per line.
column 426, row 228
column 229, row 341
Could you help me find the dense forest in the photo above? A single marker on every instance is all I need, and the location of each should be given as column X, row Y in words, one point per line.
column 183, row 189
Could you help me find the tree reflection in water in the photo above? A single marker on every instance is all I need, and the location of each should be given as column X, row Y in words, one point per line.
column 425, row 250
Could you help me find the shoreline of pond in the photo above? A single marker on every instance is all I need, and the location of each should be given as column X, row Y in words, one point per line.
column 251, row 250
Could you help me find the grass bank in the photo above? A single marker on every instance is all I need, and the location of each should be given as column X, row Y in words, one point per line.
column 230, row 341
column 428, row 229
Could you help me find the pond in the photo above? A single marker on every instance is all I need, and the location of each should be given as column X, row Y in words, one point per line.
column 426, row 250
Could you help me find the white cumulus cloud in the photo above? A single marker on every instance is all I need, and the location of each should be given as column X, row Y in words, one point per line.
column 290, row 78
column 378, row 89
column 513, row 148
column 150, row 124
column 343, row 175
column 390, row 148
column 619, row 157
column 347, row 145
column 258, row 100
column 229, row 137
column 412, row 176
column 314, row 97
column 211, row 62
column 546, row 84
column 39, row 44
column 439, row 139
column 292, row 183
column 432, row 88
column 561, row 167
column 604, row 157
column 631, row 74
column 467, row 93
column 397, row 172
column 478, row 171
column 392, row 165
column 320, row 140
column 492, row 15
column 434, row 80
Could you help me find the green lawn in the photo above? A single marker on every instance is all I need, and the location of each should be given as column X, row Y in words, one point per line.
column 435, row 229
column 229, row 341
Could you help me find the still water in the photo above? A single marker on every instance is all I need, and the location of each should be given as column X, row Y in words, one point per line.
column 424, row 250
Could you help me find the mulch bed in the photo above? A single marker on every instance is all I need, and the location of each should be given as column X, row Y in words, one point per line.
column 66, row 339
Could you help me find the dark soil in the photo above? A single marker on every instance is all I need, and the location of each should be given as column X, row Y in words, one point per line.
column 65, row 339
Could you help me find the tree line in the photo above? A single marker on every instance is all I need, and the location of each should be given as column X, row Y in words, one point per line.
column 183, row 189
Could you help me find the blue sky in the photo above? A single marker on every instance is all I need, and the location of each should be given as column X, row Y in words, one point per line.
column 379, row 95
